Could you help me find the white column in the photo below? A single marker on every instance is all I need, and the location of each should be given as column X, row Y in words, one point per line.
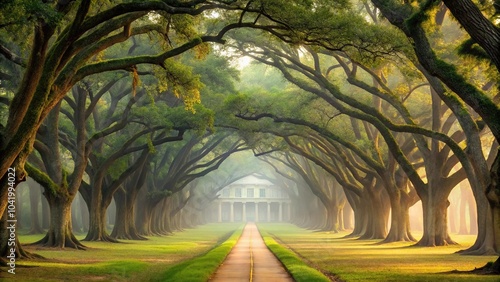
column 220, row 212
column 256, row 212
column 281, row 212
column 268, row 211
column 231, row 214
column 244, row 216
column 289, row 211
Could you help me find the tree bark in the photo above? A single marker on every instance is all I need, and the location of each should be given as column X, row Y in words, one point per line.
column 6, row 245
column 377, row 215
column 144, row 218
column 480, row 29
column 435, row 220
column 124, row 227
column 97, row 225
column 400, row 224
column 60, row 233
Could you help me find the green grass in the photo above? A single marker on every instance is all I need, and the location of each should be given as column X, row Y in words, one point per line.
column 127, row 261
column 299, row 270
column 202, row 267
column 365, row 260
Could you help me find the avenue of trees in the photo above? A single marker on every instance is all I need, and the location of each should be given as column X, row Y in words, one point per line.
column 358, row 109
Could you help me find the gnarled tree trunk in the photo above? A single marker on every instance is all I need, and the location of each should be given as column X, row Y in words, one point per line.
column 435, row 221
column 60, row 233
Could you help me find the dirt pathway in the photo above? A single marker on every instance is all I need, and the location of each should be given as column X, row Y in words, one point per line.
column 250, row 260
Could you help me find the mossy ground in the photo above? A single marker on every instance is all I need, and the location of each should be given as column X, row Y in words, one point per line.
column 366, row 260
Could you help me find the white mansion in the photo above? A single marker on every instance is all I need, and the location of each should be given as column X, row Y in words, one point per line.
column 251, row 199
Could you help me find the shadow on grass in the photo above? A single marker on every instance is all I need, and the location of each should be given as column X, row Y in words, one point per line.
column 487, row 269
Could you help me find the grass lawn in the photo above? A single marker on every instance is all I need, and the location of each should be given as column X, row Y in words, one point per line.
column 361, row 260
column 299, row 269
column 127, row 261
column 201, row 268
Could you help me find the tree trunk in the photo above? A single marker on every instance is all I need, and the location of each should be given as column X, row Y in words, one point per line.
column 485, row 240
column 125, row 217
column 161, row 222
column 98, row 212
column 400, row 225
column 60, row 233
column 435, row 231
column 20, row 219
column 493, row 192
column 332, row 218
column 143, row 220
column 97, row 224
column 121, row 227
column 378, row 214
column 484, row 224
column 480, row 28
column 8, row 241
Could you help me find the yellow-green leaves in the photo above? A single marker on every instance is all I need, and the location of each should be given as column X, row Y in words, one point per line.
column 183, row 83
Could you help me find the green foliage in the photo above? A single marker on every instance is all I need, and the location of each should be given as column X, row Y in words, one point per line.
column 119, row 166
column 24, row 11
column 183, row 83
column 239, row 102
column 216, row 75
column 198, row 119
column 159, row 194
column 334, row 25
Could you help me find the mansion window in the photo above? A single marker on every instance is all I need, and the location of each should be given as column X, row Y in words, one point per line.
column 237, row 192
column 250, row 193
column 262, row 193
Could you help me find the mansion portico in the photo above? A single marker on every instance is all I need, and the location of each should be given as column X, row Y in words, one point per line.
column 251, row 199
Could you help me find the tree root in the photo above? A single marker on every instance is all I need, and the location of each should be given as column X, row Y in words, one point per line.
column 482, row 251
column 70, row 241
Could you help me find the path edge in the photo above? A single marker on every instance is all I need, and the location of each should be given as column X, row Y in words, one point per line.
column 224, row 246
column 292, row 262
